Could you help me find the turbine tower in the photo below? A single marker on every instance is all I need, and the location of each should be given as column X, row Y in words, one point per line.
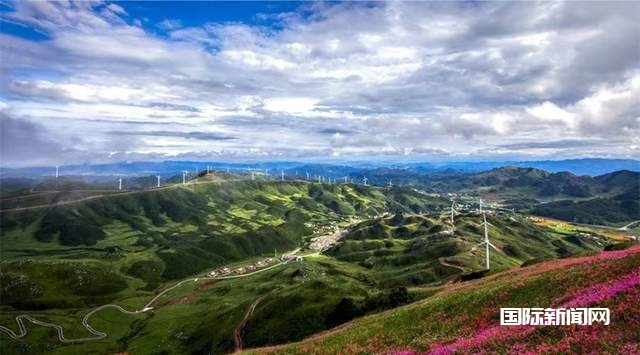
column 346, row 179
column 390, row 184
column 120, row 184
column 184, row 177
column 453, row 211
column 307, row 175
column 282, row 175
column 253, row 175
column 364, row 180
column 486, row 241
column 56, row 171
column 158, row 185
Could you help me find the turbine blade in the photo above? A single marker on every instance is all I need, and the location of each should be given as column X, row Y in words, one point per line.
column 493, row 246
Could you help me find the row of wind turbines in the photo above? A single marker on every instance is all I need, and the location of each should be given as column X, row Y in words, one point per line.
column 252, row 172
column 486, row 242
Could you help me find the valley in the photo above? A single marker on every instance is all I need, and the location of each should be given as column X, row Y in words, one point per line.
column 224, row 262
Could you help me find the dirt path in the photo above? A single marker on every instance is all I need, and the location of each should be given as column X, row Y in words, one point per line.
column 444, row 262
column 148, row 307
column 239, row 331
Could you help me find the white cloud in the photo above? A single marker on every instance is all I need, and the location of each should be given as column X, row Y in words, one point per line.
column 344, row 79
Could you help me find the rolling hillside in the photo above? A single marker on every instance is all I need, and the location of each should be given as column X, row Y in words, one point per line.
column 464, row 318
column 515, row 182
column 61, row 261
column 413, row 250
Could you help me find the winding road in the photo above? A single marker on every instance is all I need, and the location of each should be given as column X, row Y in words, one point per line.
column 101, row 335
column 238, row 332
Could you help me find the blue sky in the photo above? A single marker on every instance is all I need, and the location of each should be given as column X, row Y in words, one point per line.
column 110, row 81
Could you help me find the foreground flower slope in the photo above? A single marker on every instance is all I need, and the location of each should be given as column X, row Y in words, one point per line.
column 464, row 318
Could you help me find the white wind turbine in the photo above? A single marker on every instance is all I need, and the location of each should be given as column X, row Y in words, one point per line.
column 282, row 175
column 184, row 177
column 158, row 185
column 307, row 175
column 120, row 184
column 364, row 180
column 56, row 171
column 453, row 211
column 486, row 241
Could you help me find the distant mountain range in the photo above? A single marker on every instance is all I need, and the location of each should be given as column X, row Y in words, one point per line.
column 591, row 167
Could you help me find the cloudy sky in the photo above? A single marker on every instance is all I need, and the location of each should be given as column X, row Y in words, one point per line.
column 112, row 81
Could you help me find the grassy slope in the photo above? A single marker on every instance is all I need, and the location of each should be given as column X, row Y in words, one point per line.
column 214, row 224
column 419, row 250
column 150, row 238
column 164, row 235
column 464, row 317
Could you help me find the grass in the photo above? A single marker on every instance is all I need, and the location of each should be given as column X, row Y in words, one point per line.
column 152, row 238
column 458, row 317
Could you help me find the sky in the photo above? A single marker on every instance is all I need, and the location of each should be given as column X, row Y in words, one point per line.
column 98, row 82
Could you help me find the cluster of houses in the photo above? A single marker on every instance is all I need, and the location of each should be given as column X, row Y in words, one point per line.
column 241, row 269
column 290, row 257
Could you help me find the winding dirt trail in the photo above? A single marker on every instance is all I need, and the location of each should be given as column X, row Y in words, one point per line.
column 239, row 331
column 444, row 262
column 100, row 335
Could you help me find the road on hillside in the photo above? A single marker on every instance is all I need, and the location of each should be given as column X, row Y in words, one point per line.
column 238, row 332
column 101, row 335
column 114, row 193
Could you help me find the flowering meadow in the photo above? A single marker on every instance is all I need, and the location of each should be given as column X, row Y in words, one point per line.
column 464, row 318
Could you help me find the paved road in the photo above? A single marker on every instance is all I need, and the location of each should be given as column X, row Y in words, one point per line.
column 624, row 228
column 98, row 334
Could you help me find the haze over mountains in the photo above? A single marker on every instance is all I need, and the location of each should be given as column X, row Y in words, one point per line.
column 334, row 168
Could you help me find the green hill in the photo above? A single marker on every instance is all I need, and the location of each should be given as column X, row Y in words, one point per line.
column 59, row 262
column 413, row 250
column 464, row 318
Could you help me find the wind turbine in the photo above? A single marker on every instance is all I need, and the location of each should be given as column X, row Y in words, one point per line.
column 364, row 180
column 307, row 175
column 184, row 177
column 253, row 175
column 120, row 184
column 390, row 184
column 282, row 175
column 158, row 185
column 486, row 241
column 56, row 171
column 346, row 179
column 453, row 211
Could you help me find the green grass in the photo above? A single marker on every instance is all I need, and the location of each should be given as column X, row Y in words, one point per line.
column 462, row 311
column 148, row 239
